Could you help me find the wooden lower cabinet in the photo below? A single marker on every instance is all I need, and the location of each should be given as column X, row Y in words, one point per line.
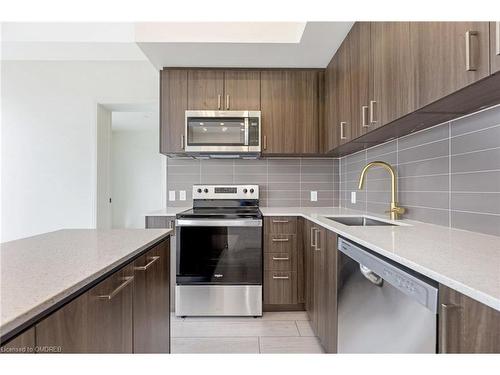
column 21, row 344
column 320, row 265
column 151, row 301
column 466, row 325
column 127, row 312
column 280, row 287
column 98, row 321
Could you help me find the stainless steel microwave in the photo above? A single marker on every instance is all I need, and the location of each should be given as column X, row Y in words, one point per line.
column 231, row 133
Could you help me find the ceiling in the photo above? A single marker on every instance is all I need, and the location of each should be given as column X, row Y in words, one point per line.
column 314, row 49
column 224, row 44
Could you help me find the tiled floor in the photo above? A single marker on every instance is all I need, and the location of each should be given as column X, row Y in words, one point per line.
column 275, row 332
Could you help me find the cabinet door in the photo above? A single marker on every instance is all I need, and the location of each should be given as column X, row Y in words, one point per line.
column 450, row 56
column 205, row 89
column 393, row 72
column 342, row 96
column 98, row 321
column 358, row 45
column 319, row 284
column 466, row 325
column 173, row 105
column 241, row 90
column 289, row 104
column 21, row 344
column 330, row 129
column 151, row 301
column 330, row 341
column 308, row 267
column 495, row 46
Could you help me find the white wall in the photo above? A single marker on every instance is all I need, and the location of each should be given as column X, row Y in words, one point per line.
column 136, row 175
column 48, row 138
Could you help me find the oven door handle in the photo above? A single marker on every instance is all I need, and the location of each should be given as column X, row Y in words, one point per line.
column 218, row 223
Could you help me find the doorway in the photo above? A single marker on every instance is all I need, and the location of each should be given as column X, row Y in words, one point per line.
column 130, row 169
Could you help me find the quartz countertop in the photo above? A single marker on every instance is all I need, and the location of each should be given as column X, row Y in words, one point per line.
column 38, row 272
column 468, row 262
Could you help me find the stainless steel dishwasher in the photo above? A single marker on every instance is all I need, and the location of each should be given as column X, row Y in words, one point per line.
column 383, row 307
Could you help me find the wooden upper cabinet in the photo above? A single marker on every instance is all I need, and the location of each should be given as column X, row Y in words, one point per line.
column 466, row 325
column 98, row 321
column 152, row 301
column 241, row 90
column 342, row 96
column 393, row 72
column 205, row 89
column 289, row 105
column 173, row 105
column 495, row 46
column 450, row 56
column 358, row 46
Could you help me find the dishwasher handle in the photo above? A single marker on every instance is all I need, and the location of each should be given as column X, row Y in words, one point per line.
column 371, row 276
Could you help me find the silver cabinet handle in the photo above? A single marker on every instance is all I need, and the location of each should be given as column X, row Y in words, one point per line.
column 281, row 221
column 316, row 238
column 312, row 237
column 278, row 258
column 342, row 124
column 372, row 112
column 445, row 310
column 364, row 115
column 227, row 101
column 497, row 32
column 147, row 265
column 280, row 239
column 182, row 141
column 219, row 98
column 280, row 277
column 265, row 143
column 470, row 65
column 127, row 280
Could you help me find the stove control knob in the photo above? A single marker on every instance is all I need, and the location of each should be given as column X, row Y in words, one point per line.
column 206, row 190
column 245, row 191
column 199, row 190
column 251, row 191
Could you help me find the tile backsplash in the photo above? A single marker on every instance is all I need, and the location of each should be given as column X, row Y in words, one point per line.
column 448, row 175
column 282, row 182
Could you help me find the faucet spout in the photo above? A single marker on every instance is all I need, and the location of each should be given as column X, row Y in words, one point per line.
column 395, row 210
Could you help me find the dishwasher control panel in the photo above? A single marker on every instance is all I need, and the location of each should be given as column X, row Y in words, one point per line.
column 410, row 284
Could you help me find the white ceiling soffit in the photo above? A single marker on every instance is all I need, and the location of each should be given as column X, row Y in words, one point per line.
column 249, row 48
column 69, row 41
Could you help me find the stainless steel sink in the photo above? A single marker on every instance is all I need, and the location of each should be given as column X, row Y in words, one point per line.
column 359, row 221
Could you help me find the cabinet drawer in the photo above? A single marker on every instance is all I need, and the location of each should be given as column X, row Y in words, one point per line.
column 280, row 243
column 280, row 224
column 280, row 287
column 280, row 262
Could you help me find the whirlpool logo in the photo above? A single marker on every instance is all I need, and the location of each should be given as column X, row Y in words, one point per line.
column 218, row 275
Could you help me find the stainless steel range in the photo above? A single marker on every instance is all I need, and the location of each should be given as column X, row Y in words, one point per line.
column 219, row 253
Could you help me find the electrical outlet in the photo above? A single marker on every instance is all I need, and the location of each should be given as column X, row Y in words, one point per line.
column 171, row 195
column 353, row 197
column 314, row 196
column 182, row 195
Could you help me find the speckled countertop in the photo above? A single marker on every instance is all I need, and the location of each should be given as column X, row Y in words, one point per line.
column 465, row 261
column 40, row 271
column 168, row 211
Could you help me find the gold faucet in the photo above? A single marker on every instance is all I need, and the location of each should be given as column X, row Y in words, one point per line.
column 395, row 210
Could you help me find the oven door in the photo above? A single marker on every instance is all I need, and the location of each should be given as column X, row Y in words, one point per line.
column 223, row 131
column 225, row 252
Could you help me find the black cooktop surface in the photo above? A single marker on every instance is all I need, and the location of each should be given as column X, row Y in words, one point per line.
column 221, row 213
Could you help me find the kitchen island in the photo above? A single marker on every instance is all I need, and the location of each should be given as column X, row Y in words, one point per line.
column 61, row 280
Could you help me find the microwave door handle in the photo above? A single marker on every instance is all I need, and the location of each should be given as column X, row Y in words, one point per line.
column 246, row 131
